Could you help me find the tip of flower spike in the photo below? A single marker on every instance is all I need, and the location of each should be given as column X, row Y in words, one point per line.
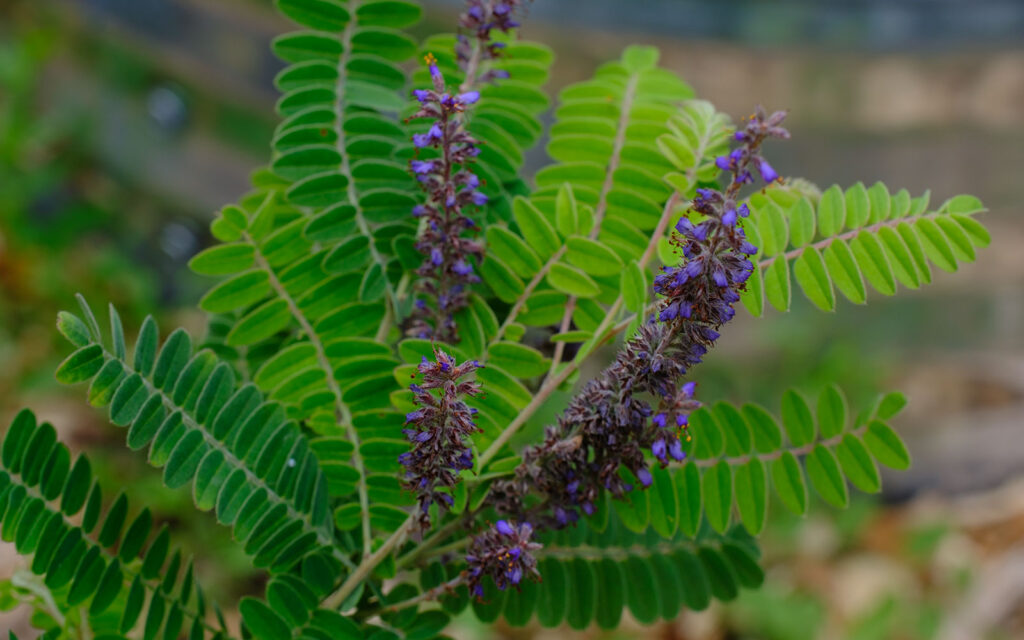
column 429, row 58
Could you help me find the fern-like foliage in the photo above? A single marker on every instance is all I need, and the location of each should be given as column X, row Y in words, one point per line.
column 239, row 451
column 108, row 569
column 845, row 240
column 287, row 419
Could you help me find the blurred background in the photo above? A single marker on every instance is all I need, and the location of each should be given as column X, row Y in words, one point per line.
column 124, row 124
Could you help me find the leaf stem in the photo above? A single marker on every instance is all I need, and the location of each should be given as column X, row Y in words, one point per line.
column 849, row 235
column 342, row 414
column 602, row 202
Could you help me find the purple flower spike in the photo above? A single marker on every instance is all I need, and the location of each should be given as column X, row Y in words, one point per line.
column 441, row 428
column 622, row 414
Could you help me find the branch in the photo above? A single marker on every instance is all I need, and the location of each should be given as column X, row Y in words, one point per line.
column 336, row 599
column 774, row 455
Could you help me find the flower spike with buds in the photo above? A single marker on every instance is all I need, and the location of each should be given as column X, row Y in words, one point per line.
column 439, row 431
column 448, row 267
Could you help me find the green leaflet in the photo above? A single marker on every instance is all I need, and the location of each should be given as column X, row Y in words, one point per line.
column 823, row 471
column 717, row 491
column 788, row 480
column 572, row 281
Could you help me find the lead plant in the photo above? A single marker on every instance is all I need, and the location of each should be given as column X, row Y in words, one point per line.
column 397, row 300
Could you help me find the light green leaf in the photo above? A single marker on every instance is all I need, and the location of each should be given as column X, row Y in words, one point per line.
column 831, row 411
column 858, row 464
column 223, row 259
column 935, row 244
column 886, row 446
column 823, row 470
column 771, row 226
column 810, row 274
column 323, row 15
column 978, row 234
column 717, row 486
column 518, row 359
column 788, row 480
column 535, row 227
column 844, row 271
column 688, row 490
column 801, row 223
column 572, row 281
column 797, row 419
column 831, row 212
column 501, row 279
column 567, row 215
column 900, row 259
column 776, row 284
column 878, row 194
column 592, row 256
column 634, row 288
column 858, row 207
column 873, row 263
column 752, row 495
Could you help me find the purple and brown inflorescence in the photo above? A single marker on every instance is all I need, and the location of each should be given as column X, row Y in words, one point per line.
column 439, row 431
column 612, row 422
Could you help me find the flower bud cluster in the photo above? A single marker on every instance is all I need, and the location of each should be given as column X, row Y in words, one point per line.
column 479, row 19
column 503, row 552
column 439, row 431
column 611, row 424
